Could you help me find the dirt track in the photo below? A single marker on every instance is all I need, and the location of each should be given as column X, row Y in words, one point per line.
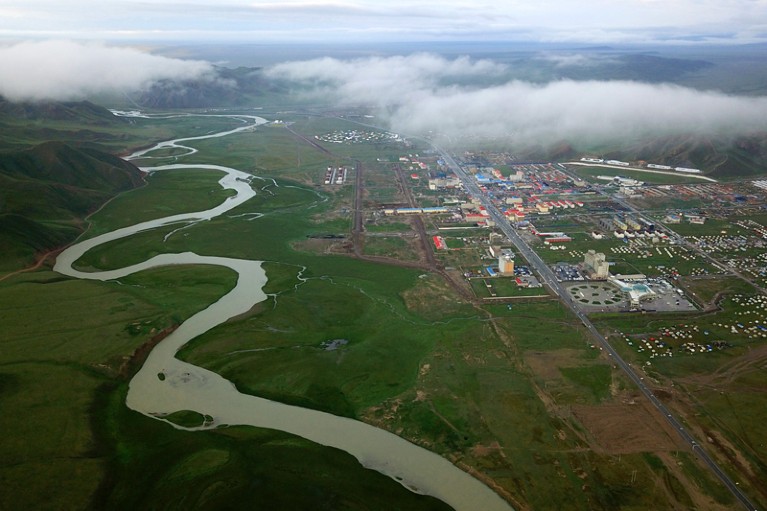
column 40, row 260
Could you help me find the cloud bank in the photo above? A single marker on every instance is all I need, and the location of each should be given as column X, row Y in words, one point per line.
column 67, row 70
column 426, row 93
column 586, row 21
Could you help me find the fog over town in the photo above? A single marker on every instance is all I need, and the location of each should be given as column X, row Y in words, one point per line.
column 418, row 93
column 421, row 93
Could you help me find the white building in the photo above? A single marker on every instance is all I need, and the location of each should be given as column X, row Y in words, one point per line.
column 595, row 263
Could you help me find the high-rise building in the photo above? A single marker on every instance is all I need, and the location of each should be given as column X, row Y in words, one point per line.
column 506, row 264
column 596, row 265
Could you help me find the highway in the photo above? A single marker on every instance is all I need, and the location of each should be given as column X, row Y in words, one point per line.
column 548, row 278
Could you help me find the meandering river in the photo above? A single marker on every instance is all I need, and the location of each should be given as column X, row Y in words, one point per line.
column 165, row 384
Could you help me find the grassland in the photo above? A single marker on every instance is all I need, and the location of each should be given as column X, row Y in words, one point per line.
column 118, row 135
column 68, row 349
column 514, row 395
column 196, row 190
column 63, row 341
column 47, row 190
column 236, row 468
column 715, row 391
column 591, row 173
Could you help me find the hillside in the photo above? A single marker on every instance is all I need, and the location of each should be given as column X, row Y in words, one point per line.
column 47, row 190
column 721, row 159
column 84, row 112
column 25, row 124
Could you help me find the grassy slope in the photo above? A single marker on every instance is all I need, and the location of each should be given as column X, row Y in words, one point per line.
column 46, row 191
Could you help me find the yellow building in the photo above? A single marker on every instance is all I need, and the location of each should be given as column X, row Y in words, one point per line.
column 506, row 264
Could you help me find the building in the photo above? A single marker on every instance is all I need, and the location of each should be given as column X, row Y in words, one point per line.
column 647, row 225
column 606, row 223
column 628, row 191
column 557, row 239
column 621, row 181
column 506, row 264
column 672, row 218
column 444, row 182
column 595, row 265
column 637, row 291
column 633, row 223
column 619, row 223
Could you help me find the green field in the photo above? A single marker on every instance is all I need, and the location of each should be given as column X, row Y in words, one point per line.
column 66, row 342
column 195, row 190
column 591, row 173
column 490, row 387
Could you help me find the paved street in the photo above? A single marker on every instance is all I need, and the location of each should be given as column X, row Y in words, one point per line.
column 548, row 278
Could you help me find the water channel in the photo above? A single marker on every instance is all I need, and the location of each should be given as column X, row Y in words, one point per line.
column 165, row 385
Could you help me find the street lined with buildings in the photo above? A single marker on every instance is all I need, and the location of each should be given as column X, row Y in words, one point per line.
column 548, row 277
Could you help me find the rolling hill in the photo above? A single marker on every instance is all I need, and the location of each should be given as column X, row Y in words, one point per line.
column 84, row 112
column 46, row 191
column 24, row 124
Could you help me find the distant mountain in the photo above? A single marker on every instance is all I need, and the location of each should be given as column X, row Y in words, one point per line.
column 47, row 190
column 81, row 111
column 232, row 87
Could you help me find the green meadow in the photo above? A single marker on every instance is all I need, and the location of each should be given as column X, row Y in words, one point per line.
column 488, row 387
column 591, row 173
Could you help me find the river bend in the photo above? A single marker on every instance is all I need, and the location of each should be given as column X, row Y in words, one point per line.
column 187, row 387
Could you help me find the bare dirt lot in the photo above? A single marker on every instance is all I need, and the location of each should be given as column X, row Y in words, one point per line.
column 624, row 428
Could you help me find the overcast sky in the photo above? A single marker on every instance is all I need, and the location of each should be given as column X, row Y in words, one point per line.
column 583, row 21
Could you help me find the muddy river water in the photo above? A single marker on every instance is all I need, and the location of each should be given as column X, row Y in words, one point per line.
column 165, row 384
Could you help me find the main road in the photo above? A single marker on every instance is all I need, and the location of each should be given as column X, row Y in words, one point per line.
column 547, row 277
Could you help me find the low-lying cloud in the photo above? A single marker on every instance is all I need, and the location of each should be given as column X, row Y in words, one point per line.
column 563, row 60
column 68, row 70
column 426, row 93
column 384, row 81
